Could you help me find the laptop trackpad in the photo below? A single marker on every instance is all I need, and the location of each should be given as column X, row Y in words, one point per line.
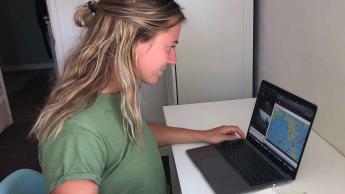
column 218, row 172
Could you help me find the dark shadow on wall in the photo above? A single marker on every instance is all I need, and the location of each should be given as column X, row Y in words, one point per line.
column 256, row 43
column 22, row 33
column 26, row 99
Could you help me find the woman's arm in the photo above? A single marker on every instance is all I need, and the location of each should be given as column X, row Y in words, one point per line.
column 76, row 187
column 173, row 135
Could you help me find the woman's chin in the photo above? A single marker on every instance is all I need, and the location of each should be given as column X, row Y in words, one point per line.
column 151, row 81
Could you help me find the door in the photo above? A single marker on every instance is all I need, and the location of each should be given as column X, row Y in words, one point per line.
column 5, row 111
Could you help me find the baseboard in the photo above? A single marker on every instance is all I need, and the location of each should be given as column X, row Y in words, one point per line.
column 24, row 67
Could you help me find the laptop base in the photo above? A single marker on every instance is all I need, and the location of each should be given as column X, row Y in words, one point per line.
column 221, row 176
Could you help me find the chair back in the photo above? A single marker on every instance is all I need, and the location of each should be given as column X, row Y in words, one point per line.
column 23, row 181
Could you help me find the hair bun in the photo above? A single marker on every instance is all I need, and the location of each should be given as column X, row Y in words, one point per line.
column 92, row 6
column 83, row 17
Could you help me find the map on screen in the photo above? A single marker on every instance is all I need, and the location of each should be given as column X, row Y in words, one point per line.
column 287, row 131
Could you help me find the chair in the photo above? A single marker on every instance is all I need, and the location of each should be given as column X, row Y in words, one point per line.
column 23, row 181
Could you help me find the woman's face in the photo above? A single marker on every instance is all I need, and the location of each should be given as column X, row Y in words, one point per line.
column 154, row 55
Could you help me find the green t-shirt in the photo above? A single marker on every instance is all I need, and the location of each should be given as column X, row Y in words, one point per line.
column 92, row 146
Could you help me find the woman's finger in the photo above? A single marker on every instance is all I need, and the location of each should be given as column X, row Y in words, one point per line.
column 235, row 129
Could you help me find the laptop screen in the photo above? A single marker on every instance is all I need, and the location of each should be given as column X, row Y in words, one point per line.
column 280, row 126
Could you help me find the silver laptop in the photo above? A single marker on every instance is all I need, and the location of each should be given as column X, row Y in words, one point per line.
column 273, row 148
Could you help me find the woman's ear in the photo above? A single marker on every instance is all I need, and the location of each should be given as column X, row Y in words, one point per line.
column 143, row 46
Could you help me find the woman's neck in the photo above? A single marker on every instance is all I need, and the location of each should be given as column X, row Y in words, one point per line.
column 112, row 87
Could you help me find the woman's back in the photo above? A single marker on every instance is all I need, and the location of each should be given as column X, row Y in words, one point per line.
column 92, row 146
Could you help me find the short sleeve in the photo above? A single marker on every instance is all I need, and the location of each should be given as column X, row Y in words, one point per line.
column 76, row 153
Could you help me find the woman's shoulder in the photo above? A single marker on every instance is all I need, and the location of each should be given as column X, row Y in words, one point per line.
column 102, row 121
column 104, row 111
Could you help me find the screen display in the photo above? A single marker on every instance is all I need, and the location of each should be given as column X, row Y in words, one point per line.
column 281, row 125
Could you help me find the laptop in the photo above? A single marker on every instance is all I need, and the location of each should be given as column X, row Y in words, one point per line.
column 272, row 150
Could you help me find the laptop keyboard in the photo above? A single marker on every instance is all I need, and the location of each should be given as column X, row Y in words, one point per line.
column 252, row 168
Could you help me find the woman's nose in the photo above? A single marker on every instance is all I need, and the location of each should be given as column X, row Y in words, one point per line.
column 172, row 57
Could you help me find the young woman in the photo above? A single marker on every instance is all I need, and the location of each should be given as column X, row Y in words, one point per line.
column 92, row 138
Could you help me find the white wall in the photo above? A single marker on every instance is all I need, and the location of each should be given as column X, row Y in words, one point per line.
column 300, row 46
column 215, row 51
column 65, row 32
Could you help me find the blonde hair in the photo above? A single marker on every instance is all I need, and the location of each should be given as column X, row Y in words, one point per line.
column 106, row 51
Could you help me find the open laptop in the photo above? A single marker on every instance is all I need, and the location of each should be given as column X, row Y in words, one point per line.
column 273, row 148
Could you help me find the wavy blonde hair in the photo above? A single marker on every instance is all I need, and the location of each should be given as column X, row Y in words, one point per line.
column 106, row 51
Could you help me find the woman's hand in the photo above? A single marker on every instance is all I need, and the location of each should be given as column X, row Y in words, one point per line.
column 223, row 133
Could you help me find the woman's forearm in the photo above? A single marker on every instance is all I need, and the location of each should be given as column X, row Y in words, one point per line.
column 173, row 135
column 166, row 135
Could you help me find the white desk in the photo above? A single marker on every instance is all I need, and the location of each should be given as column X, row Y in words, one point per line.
column 322, row 170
